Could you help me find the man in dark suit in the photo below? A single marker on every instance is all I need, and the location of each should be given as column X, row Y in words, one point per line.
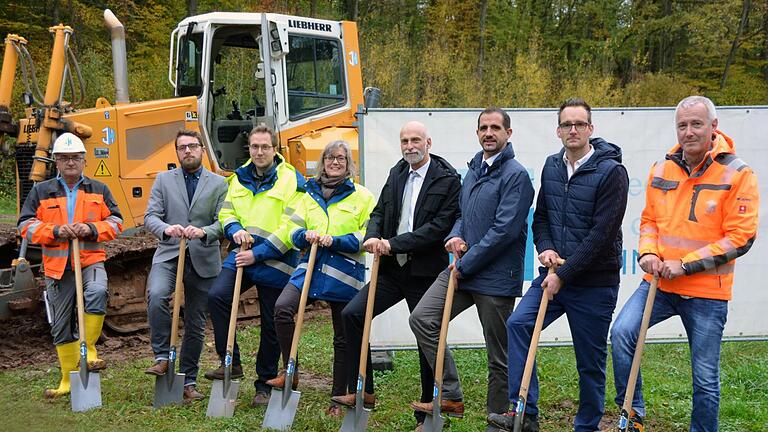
column 184, row 202
column 415, row 211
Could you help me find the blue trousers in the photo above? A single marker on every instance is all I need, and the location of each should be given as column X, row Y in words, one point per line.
column 589, row 311
column 219, row 307
column 704, row 320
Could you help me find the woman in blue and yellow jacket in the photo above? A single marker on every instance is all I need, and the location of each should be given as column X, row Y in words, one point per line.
column 333, row 213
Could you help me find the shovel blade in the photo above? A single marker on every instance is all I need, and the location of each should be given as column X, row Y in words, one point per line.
column 355, row 421
column 433, row 423
column 279, row 415
column 169, row 390
column 221, row 404
column 85, row 395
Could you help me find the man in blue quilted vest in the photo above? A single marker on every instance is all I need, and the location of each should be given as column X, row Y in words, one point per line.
column 578, row 217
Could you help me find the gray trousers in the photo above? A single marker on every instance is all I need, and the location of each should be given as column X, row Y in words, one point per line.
column 160, row 289
column 493, row 313
column 63, row 304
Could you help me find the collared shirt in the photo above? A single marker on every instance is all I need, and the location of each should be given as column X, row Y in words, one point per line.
column 190, row 180
column 572, row 168
column 71, row 197
column 418, row 181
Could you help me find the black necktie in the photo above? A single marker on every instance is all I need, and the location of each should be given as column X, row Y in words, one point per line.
column 191, row 182
column 485, row 168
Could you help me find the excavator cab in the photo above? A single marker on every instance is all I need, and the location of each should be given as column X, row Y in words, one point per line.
column 296, row 82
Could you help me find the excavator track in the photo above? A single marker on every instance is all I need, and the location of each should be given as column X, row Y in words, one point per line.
column 129, row 260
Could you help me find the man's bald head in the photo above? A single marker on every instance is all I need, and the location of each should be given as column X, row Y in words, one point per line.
column 415, row 144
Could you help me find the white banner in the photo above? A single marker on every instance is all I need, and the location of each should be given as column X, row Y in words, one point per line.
column 644, row 134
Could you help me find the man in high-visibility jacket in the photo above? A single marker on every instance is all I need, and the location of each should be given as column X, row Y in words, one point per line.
column 72, row 207
column 700, row 215
column 260, row 193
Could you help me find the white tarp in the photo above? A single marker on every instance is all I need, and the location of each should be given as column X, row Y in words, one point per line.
column 644, row 136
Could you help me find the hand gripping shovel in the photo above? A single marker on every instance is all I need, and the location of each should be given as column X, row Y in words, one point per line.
column 224, row 392
column 528, row 371
column 634, row 371
column 433, row 422
column 356, row 419
column 169, row 388
column 86, row 386
column 283, row 402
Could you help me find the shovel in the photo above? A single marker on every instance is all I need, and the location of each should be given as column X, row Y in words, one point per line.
column 283, row 402
column 634, row 371
column 224, row 392
column 169, row 388
column 86, row 386
column 528, row 371
column 356, row 419
column 433, row 422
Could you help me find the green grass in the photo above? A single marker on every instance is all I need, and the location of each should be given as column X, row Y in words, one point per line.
column 127, row 392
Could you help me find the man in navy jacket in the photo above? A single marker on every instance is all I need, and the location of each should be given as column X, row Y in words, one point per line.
column 578, row 216
column 495, row 200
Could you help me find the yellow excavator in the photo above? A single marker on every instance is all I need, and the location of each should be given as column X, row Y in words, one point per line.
column 229, row 72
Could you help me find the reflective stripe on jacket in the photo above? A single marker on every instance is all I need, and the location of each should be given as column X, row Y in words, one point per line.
column 258, row 207
column 339, row 269
column 706, row 219
column 46, row 207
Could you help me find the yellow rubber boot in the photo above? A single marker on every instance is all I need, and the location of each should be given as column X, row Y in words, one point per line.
column 93, row 325
column 69, row 355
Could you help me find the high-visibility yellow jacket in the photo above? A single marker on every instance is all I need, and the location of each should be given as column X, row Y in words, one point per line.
column 257, row 206
column 49, row 205
column 706, row 219
column 339, row 269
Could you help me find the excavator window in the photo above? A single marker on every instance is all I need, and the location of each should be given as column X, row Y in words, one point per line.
column 190, row 81
column 315, row 76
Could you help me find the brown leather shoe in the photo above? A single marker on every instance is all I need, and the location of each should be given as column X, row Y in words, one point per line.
column 334, row 411
column 97, row 365
column 218, row 374
column 158, row 369
column 191, row 394
column 450, row 408
column 261, row 399
column 278, row 382
column 369, row 400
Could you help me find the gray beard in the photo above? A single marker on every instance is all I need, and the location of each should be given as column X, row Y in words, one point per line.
column 414, row 158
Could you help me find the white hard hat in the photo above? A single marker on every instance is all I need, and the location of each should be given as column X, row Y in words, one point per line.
column 68, row 143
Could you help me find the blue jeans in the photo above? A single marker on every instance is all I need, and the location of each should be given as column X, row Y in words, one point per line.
column 704, row 320
column 589, row 311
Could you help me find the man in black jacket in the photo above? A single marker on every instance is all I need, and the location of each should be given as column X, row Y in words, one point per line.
column 417, row 208
column 578, row 218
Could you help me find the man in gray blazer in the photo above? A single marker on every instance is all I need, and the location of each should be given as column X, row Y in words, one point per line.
column 184, row 202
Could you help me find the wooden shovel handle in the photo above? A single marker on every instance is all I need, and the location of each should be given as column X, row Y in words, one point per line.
column 443, row 340
column 637, row 359
column 303, row 301
column 235, row 304
column 79, row 289
column 177, row 291
column 369, row 315
column 533, row 347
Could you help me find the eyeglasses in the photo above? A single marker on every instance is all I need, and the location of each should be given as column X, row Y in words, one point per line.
column 580, row 126
column 263, row 147
column 339, row 159
column 67, row 159
column 184, row 147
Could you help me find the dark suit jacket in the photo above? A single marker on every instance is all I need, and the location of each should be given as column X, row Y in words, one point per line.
column 437, row 207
